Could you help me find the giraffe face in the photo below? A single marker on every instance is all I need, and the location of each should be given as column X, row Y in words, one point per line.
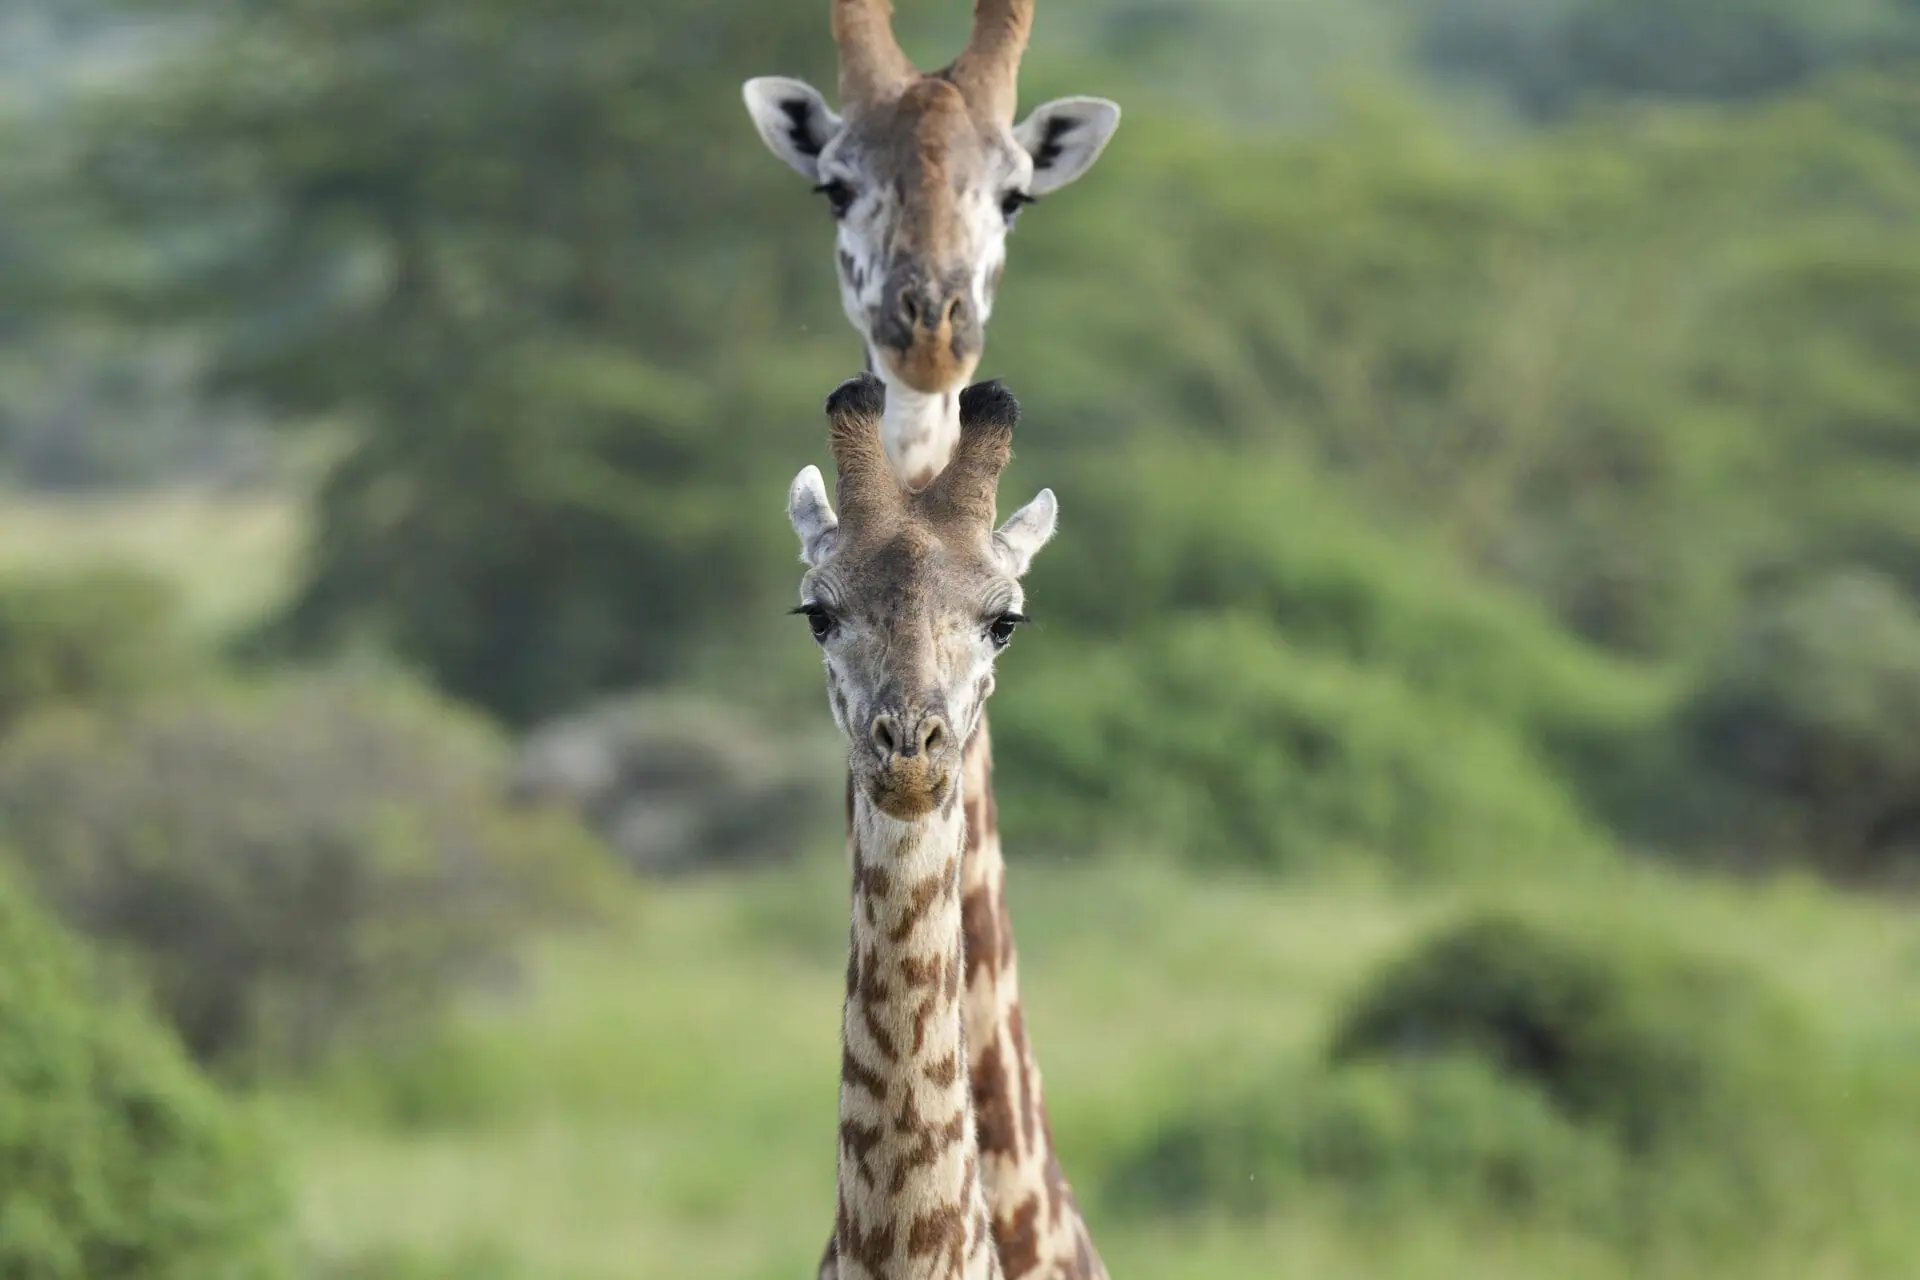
column 912, row 597
column 924, row 187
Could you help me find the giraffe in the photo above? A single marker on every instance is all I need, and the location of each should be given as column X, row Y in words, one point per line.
column 925, row 175
column 911, row 597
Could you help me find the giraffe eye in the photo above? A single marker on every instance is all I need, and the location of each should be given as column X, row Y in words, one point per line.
column 839, row 196
column 1014, row 201
column 1000, row 630
column 819, row 621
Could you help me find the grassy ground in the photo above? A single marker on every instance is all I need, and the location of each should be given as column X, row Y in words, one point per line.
column 658, row 1101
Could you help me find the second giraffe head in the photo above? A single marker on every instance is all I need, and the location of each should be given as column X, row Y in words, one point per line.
column 924, row 175
column 912, row 596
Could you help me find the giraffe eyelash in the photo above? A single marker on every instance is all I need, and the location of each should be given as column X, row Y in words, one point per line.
column 839, row 196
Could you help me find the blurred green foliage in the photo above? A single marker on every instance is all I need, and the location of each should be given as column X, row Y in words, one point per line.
column 290, row 865
column 1446, row 489
column 1214, row 741
column 478, row 1263
column 1647, row 366
column 93, row 639
column 1624, row 1034
column 680, row 784
column 1808, row 721
column 119, row 1162
column 1553, row 56
column 1558, row 356
column 1232, row 665
column 1395, row 1137
column 553, row 387
column 1520, row 1068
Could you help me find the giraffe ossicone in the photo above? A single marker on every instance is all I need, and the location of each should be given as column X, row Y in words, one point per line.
column 924, row 175
column 911, row 598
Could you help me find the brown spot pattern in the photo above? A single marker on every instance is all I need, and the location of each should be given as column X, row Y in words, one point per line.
column 979, row 921
column 1019, row 1239
column 920, row 900
column 881, row 1039
column 859, row 1140
column 871, row 1249
column 858, row 1074
column 992, row 1105
column 937, row 1230
column 942, row 1072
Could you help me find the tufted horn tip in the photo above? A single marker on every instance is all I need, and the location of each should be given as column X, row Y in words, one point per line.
column 861, row 396
column 989, row 402
column 966, row 489
column 866, row 486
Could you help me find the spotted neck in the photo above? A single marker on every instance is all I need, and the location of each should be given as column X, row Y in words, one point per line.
column 911, row 1206
column 1037, row 1226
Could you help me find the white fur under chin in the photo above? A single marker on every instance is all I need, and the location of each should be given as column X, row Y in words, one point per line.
column 919, row 432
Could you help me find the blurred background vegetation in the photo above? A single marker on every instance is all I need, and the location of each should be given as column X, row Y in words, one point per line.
column 1464, row 785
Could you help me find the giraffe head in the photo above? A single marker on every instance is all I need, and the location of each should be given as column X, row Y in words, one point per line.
column 912, row 596
column 924, row 176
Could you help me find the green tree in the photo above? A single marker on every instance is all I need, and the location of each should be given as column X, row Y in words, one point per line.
column 476, row 241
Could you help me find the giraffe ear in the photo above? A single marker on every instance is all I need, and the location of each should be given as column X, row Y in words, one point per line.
column 1025, row 532
column 1065, row 137
column 812, row 517
column 793, row 119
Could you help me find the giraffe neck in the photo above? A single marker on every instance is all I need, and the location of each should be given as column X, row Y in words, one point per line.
column 919, row 432
column 1037, row 1227
column 911, row 1205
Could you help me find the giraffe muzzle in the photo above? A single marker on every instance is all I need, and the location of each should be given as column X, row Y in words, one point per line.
column 928, row 332
column 912, row 764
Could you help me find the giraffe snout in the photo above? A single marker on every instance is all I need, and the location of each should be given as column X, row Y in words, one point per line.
column 914, row 762
column 928, row 329
column 907, row 734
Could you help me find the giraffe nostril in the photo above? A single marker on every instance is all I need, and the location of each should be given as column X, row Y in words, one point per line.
column 934, row 733
column 884, row 740
column 956, row 310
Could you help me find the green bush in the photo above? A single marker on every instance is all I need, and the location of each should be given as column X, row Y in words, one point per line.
column 1613, row 1084
column 290, row 863
column 675, row 783
column 1198, row 530
column 1391, row 1138
column 117, row 1161
column 1217, row 741
column 1292, row 683
column 1811, row 718
column 1656, row 1046
column 98, row 638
